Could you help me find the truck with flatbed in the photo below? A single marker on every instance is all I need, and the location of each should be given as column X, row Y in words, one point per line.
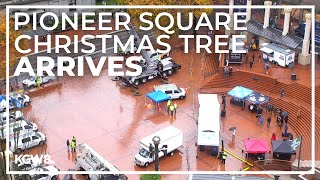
column 153, row 65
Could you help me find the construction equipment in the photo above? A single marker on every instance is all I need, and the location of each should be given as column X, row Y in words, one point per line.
column 89, row 160
column 151, row 67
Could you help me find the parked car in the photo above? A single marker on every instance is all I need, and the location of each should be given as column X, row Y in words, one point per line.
column 16, row 115
column 26, row 141
column 15, row 101
column 172, row 90
column 34, row 173
column 53, row 175
column 18, row 127
column 31, row 82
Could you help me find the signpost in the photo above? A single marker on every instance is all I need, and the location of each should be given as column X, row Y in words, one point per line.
column 295, row 143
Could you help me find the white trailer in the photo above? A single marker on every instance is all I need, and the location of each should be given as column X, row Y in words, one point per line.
column 209, row 123
column 88, row 159
column 277, row 54
column 169, row 136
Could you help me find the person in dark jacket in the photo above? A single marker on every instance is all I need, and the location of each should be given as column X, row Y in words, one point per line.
column 68, row 145
column 269, row 121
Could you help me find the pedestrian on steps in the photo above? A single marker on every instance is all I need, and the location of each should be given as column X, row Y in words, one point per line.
column 281, row 93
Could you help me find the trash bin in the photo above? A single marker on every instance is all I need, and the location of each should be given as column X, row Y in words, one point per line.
column 223, row 113
column 293, row 76
column 201, row 148
column 214, row 151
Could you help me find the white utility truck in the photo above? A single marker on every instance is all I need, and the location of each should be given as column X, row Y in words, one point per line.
column 277, row 54
column 209, row 123
column 172, row 90
column 88, row 159
column 18, row 127
column 169, row 136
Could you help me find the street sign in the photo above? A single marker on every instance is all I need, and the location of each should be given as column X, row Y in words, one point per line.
column 295, row 143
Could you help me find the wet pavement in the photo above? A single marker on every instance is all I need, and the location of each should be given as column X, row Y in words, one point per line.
column 112, row 121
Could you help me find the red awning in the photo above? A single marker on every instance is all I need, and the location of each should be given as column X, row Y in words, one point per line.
column 254, row 146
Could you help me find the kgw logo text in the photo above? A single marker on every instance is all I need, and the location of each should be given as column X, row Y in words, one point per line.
column 34, row 159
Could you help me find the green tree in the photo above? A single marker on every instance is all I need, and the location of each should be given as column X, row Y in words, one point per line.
column 150, row 177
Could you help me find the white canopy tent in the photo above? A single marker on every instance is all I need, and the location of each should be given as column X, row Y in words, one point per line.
column 209, row 120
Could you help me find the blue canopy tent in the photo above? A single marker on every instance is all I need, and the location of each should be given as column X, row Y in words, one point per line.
column 257, row 98
column 158, row 96
column 239, row 94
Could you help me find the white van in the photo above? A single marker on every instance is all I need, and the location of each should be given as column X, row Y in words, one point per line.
column 27, row 140
column 16, row 115
column 170, row 137
column 277, row 54
column 172, row 90
column 21, row 127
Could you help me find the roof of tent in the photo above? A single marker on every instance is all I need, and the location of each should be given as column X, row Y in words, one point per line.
column 257, row 98
column 158, row 96
column 256, row 146
column 282, row 147
column 240, row 92
column 209, row 120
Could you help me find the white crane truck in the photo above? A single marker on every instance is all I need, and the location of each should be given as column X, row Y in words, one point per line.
column 151, row 67
column 88, row 159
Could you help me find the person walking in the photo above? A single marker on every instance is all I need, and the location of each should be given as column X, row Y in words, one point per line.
column 299, row 114
column 169, row 104
column 38, row 82
column 286, row 129
column 281, row 93
column 230, row 71
column 225, row 71
column 269, row 121
column 266, row 68
column 224, row 157
column 253, row 56
column 68, row 145
column 273, row 137
column 286, row 120
column 224, row 101
column 73, row 146
column 250, row 65
column 74, row 140
column 261, row 120
column 275, row 110
column 234, row 133
column 171, row 108
column 259, row 58
column 175, row 108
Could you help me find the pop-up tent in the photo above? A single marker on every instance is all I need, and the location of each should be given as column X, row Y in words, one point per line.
column 240, row 92
column 255, row 146
column 257, row 98
column 158, row 96
column 282, row 149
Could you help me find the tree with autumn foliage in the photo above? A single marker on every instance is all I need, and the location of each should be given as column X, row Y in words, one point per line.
column 14, row 55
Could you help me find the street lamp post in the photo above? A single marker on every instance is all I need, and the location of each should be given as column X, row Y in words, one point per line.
column 156, row 142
